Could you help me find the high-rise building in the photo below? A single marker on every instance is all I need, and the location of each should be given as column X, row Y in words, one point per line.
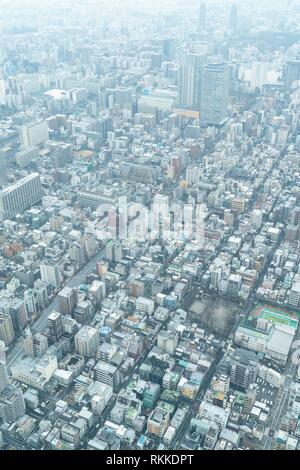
column 82, row 311
column 7, row 333
column 167, row 340
column 34, row 345
column 3, row 376
column 168, row 48
column 61, row 154
column 28, row 343
column 67, row 300
column 256, row 219
column 295, row 216
column 18, row 314
column 190, row 79
column 20, row 196
column 233, row 17
column 34, row 133
column 51, row 274
column 202, row 17
column 2, row 92
column 55, row 326
column 234, row 284
column 77, row 253
column 98, row 291
column 86, row 341
column 215, row 94
column 40, row 344
column 2, row 351
column 26, row 155
column 107, row 374
column 114, row 251
column 259, row 74
column 291, row 73
column 243, row 368
column 12, row 404
column 90, row 244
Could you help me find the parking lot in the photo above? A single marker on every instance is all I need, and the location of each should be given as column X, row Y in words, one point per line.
column 265, row 392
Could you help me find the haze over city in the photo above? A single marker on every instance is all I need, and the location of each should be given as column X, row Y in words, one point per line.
column 149, row 227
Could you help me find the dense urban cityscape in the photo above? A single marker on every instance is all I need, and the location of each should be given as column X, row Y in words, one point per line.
column 150, row 225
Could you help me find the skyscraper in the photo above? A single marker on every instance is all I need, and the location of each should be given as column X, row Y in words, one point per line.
column 190, row 79
column 202, row 17
column 215, row 94
column 233, row 17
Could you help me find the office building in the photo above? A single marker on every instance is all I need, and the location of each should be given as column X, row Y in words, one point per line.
column 12, row 404
column 168, row 48
column 233, row 18
column 34, row 133
column 18, row 313
column 35, row 345
column 291, row 74
column 26, row 155
column 35, row 372
column 20, row 196
column 7, row 333
column 61, row 154
column 114, row 251
column 51, row 274
column 55, row 326
column 215, row 94
column 82, row 311
column 3, row 376
column 202, row 17
column 87, row 341
column 167, row 340
column 67, row 300
column 28, row 343
column 244, row 368
column 145, row 305
column 107, row 374
column 190, row 80
column 259, row 74
column 2, row 351
column 98, row 291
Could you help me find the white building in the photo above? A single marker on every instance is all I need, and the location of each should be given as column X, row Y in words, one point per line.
column 51, row 274
column 144, row 305
column 20, row 196
column 34, row 133
column 86, row 341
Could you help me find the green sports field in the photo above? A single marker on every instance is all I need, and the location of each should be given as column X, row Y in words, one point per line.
column 275, row 315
